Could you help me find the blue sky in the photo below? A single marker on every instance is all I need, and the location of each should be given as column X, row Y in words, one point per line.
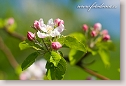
column 109, row 18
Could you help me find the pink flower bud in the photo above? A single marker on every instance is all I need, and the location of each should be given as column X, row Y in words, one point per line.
column 106, row 37
column 58, row 22
column 36, row 24
column 97, row 26
column 85, row 27
column 10, row 21
column 56, row 45
column 30, row 36
column 93, row 33
column 104, row 32
column 61, row 22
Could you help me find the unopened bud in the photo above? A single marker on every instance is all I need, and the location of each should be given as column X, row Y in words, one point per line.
column 97, row 26
column 36, row 24
column 93, row 33
column 104, row 32
column 10, row 21
column 85, row 27
column 30, row 36
column 56, row 45
column 58, row 22
column 106, row 37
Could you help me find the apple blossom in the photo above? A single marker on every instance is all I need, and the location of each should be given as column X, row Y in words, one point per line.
column 36, row 24
column 106, row 37
column 42, row 35
column 93, row 33
column 56, row 45
column 58, row 22
column 50, row 29
column 35, row 72
column 10, row 21
column 104, row 32
column 30, row 36
column 85, row 27
column 97, row 26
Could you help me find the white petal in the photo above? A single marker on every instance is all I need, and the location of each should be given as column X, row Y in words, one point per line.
column 42, row 35
column 60, row 28
column 50, row 22
column 42, row 26
column 55, row 33
column 41, row 23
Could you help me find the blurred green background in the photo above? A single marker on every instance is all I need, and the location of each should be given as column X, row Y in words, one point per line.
column 26, row 11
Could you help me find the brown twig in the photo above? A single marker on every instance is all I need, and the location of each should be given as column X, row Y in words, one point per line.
column 94, row 73
column 79, row 64
column 8, row 54
column 15, row 35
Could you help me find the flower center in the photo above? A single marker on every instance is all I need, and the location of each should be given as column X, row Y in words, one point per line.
column 49, row 29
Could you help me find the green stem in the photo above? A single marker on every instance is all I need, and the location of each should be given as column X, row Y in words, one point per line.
column 45, row 44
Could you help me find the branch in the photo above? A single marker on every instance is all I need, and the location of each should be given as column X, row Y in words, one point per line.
column 85, row 55
column 79, row 63
column 8, row 54
column 94, row 73
column 15, row 35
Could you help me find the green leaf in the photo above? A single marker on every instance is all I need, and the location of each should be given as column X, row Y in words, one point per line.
column 53, row 57
column 24, row 45
column 61, row 40
column 75, row 56
column 47, row 56
column 50, row 71
column 106, row 45
column 104, row 54
column 61, row 54
column 29, row 60
column 79, row 36
column 92, row 51
column 56, row 73
column 73, row 43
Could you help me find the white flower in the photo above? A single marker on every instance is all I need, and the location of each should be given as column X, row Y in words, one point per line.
column 60, row 28
column 55, row 33
column 42, row 35
column 50, row 22
column 36, row 71
column 51, row 29
column 42, row 26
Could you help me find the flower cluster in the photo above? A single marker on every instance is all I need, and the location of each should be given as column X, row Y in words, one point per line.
column 96, row 31
column 50, row 30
